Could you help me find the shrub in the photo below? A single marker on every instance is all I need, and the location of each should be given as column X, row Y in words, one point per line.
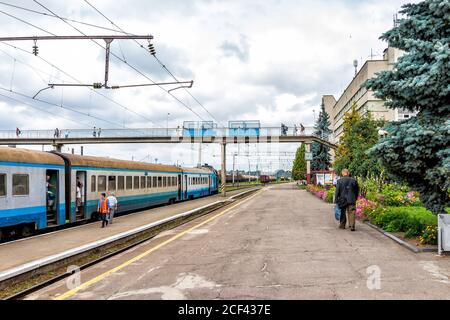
column 411, row 220
column 330, row 195
column 429, row 235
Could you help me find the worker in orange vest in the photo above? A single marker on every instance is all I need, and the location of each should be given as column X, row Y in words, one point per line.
column 103, row 208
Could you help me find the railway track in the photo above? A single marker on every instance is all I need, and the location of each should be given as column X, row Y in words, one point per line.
column 36, row 279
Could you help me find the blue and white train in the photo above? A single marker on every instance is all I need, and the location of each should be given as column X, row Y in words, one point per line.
column 38, row 190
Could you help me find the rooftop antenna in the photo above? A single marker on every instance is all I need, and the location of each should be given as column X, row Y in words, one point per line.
column 395, row 19
column 355, row 64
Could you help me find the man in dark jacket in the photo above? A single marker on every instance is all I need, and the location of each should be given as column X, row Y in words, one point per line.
column 347, row 191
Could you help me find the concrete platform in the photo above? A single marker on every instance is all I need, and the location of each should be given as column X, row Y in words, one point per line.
column 280, row 243
column 20, row 252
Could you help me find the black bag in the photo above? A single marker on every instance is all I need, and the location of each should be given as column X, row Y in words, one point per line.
column 341, row 202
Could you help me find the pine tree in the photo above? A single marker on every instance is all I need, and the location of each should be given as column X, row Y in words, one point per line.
column 359, row 134
column 417, row 151
column 321, row 154
column 299, row 166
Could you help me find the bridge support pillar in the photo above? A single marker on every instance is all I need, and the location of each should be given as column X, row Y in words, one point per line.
column 223, row 171
column 308, row 164
column 58, row 147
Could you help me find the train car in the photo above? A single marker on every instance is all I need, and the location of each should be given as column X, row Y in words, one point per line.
column 31, row 190
column 33, row 193
column 199, row 182
column 136, row 185
column 266, row 178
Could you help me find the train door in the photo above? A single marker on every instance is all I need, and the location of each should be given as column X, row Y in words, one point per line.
column 52, row 196
column 80, row 195
column 185, row 186
column 209, row 184
column 179, row 187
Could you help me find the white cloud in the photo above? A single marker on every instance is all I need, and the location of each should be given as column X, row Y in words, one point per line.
column 271, row 61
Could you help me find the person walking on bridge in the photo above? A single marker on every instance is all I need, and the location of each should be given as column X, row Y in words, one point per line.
column 103, row 208
column 347, row 191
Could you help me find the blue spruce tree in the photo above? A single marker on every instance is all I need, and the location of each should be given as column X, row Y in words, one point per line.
column 321, row 153
column 417, row 150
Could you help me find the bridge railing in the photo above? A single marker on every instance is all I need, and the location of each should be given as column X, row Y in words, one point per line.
column 161, row 132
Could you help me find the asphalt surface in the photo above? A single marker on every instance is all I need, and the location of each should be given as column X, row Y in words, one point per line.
column 281, row 243
column 19, row 252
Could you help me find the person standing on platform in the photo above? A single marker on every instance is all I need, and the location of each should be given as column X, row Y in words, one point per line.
column 103, row 208
column 112, row 202
column 347, row 191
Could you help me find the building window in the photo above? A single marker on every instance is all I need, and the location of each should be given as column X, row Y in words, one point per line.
column 111, row 183
column 101, row 183
column 149, row 182
column 142, row 182
column 93, row 184
column 136, row 183
column 2, row 185
column 129, row 183
column 20, row 184
column 120, row 182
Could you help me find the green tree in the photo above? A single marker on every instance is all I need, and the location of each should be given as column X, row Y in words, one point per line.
column 360, row 133
column 299, row 166
column 321, row 154
column 417, row 151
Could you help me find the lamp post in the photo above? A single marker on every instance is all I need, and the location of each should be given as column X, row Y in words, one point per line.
column 234, row 157
column 168, row 114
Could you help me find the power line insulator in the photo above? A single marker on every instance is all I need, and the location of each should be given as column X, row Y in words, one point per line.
column 151, row 48
column 35, row 50
column 97, row 85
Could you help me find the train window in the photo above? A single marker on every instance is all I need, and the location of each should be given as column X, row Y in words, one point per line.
column 93, row 183
column 142, row 182
column 111, row 183
column 2, row 185
column 20, row 184
column 159, row 182
column 129, row 183
column 136, row 183
column 120, row 182
column 174, row 179
column 155, row 182
column 164, row 182
column 149, row 182
column 101, row 183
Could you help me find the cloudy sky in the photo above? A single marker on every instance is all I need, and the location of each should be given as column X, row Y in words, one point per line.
column 250, row 60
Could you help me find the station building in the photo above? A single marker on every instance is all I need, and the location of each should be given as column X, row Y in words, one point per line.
column 365, row 99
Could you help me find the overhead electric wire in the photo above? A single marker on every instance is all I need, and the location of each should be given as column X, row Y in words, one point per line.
column 42, row 110
column 73, row 78
column 26, row 22
column 52, row 16
column 60, row 106
column 156, row 58
column 117, row 57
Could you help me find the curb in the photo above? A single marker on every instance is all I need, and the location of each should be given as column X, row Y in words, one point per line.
column 400, row 241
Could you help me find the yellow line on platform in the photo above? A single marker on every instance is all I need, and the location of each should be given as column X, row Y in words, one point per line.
column 89, row 283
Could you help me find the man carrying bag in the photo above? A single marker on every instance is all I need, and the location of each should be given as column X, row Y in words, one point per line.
column 347, row 191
